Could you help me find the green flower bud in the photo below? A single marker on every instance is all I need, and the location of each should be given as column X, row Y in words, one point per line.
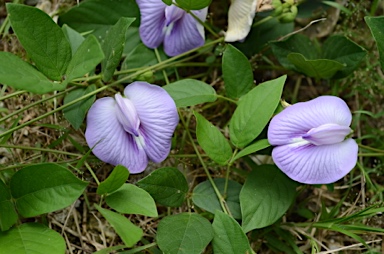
column 146, row 76
column 287, row 17
column 276, row 3
column 278, row 11
column 291, row 2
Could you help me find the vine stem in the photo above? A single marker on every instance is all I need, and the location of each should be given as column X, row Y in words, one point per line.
column 228, row 171
column 226, row 98
column 12, row 95
column 92, row 173
column 40, row 150
column 159, row 61
column 34, row 104
column 107, row 86
column 218, row 194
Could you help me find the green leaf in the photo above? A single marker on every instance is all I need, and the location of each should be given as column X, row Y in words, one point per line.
column 128, row 232
column 75, row 113
column 114, row 181
column 191, row 233
column 132, row 40
column 319, row 68
column 75, row 39
column 87, row 56
column 44, row 188
column 237, row 73
column 31, row 238
column 131, row 199
column 167, row 2
column 42, row 38
column 228, row 237
column 98, row 16
column 8, row 215
column 193, row 4
column 212, row 140
column 265, row 197
column 190, row 92
column 376, row 25
column 341, row 49
column 113, row 47
column 254, row 111
column 205, row 197
column 297, row 43
column 252, row 148
column 167, row 186
column 18, row 74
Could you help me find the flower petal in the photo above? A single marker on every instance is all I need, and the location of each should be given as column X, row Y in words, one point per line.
column 240, row 17
column 158, row 117
column 312, row 164
column 185, row 34
column 110, row 142
column 127, row 115
column 152, row 13
column 296, row 120
column 172, row 14
column 327, row 134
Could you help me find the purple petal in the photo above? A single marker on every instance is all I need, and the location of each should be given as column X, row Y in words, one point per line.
column 312, row 164
column 327, row 134
column 172, row 14
column 158, row 117
column 296, row 120
column 152, row 22
column 110, row 142
column 183, row 35
column 127, row 115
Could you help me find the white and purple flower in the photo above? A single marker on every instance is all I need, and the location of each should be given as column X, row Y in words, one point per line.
column 170, row 25
column 312, row 140
column 134, row 128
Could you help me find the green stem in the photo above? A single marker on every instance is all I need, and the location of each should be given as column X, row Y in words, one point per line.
column 371, row 148
column 5, row 23
column 226, row 98
column 262, row 21
column 218, row 194
column 12, row 95
column 228, row 171
column 32, row 164
column 186, row 155
column 34, row 104
column 371, row 154
column 87, row 79
column 193, row 64
column 164, row 72
column 40, row 150
column 141, row 248
column 92, row 173
column 53, row 111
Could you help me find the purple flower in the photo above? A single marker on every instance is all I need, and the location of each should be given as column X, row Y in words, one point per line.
column 311, row 139
column 133, row 128
column 170, row 25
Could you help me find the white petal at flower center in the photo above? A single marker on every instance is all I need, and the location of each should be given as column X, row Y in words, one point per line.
column 127, row 115
column 327, row 134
